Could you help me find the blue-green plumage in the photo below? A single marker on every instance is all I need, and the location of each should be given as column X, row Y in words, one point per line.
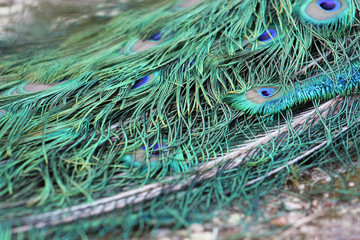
column 273, row 99
column 325, row 12
column 146, row 80
column 159, row 112
column 266, row 37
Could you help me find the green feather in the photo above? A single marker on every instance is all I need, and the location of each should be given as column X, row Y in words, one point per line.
column 103, row 128
column 325, row 12
column 272, row 99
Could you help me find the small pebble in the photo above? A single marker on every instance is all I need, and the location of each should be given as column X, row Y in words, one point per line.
column 280, row 221
column 217, row 221
column 182, row 233
column 234, row 218
column 293, row 206
column 161, row 233
column 197, row 228
column 202, row 236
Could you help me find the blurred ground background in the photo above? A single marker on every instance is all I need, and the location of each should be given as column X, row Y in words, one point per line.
column 311, row 205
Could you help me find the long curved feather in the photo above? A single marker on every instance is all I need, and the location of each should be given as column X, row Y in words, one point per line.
column 132, row 138
column 271, row 99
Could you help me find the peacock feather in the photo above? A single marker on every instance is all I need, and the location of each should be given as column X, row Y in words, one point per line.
column 164, row 114
column 272, row 99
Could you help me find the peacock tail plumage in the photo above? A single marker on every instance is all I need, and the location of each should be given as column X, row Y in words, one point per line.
column 165, row 113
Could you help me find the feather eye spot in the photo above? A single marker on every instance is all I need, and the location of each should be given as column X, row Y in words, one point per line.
column 154, row 149
column 141, row 82
column 29, row 88
column 267, row 35
column 329, row 5
column 266, row 92
column 138, row 45
column 157, row 36
column 146, row 80
column 323, row 12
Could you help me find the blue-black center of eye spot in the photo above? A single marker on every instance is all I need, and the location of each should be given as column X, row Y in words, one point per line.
column 267, row 35
column 155, row 147
column 141, row 82
column 156, row 37
column 266, row 92
column 329, row 5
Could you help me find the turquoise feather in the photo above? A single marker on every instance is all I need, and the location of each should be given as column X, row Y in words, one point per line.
column 28, row 88
column 264, row 38
column 325, row 12
column 159, row 114
column 277, row 98
column 140, row 83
